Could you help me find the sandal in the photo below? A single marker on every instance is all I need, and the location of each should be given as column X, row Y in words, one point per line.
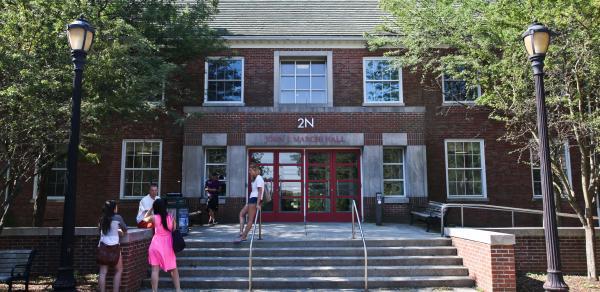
column 239, row 240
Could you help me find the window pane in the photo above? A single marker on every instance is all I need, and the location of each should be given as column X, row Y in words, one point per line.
column 302, row 96
column 290, row 172
column 343, row 205
column 221, row 171
column 318, row 205
column 262, row 157
column 391, row 155
column 266, row 172
column 318, row 97
column 346, row 157
column 302, row 68
column 318, row 173
column 287, row 83
column 393, row 188
column 290, row 189
column 318, row 189
column 347, row 189
column 287, row 68
column 346, row 172
column 392, row 172
column 319, row 68
column 319, row 83
column 216, row 155
column 316, row 157
column 374, row 91
column 302, row 82
column 290, row 158
column 288, row 96
column 290, row 205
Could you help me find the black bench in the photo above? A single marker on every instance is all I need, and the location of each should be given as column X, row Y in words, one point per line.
column 15, row 265
column 428, row 214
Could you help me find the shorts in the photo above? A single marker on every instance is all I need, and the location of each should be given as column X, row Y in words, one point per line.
column 213, row 204
column 252, row 201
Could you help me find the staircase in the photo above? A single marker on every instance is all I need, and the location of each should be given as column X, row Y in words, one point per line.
column 320, row 264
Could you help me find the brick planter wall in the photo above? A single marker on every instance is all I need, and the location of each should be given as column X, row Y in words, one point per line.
column 530, row 249
column 489, row 256
column 46, row 242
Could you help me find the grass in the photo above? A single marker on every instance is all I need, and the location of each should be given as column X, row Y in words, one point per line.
column 533, row 282
column 44, row 283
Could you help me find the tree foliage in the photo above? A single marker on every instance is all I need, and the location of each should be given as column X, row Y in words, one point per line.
column 480, row 41
column 137, row 55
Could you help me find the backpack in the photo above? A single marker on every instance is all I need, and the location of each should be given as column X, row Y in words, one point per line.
column 268, row 193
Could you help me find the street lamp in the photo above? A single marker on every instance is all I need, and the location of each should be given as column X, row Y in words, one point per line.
column 81, row 36
column 537, row 40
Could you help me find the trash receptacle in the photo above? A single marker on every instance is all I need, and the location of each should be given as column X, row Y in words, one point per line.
column 379, row 209
column 178, row 208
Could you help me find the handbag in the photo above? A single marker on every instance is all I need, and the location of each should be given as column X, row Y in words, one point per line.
column 178, row 242
column 108, row 255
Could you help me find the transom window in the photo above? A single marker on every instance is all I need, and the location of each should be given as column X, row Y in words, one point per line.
column 303, row 81
column 565, row 162
column 216, row 162
column 224, row 80
column 465, row 168
column 382, row 81
column 458, row 91
column 393, row 171
column 141, row 166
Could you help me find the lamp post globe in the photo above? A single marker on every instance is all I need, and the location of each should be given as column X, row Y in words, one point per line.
column 537, row 40
column 81, row 36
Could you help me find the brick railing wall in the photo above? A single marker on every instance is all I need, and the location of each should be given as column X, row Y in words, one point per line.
column 489, row 256
column 46, row 242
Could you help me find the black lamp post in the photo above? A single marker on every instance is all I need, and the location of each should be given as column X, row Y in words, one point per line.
column 81, row 36
column 537, row 40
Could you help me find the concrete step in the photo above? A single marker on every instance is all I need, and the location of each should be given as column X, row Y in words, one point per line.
column 316, row 282
column 323, row 271
column 320, row 261
column 319, row 251
column 195, row 242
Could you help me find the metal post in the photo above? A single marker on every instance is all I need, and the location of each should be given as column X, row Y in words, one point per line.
column 513, row 218
column 353, row 231
column 554, row 280
column 66, row 279
column 462, row 216
column 260, row 224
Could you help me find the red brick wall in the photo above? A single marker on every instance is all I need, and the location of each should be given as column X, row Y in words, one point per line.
column 47, row 258
column 530, row 254
column 491, row 266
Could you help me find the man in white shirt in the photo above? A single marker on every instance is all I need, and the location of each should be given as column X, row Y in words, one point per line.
column 145, row 205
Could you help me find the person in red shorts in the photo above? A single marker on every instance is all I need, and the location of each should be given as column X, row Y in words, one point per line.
column 145, row 205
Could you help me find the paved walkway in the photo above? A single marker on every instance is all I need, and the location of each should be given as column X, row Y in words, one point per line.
column 314, row 231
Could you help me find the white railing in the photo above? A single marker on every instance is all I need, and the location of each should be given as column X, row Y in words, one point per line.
column 355, row 211
column 258, row 213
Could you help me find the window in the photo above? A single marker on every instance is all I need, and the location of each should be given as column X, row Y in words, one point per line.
column 565, row 162
column 457, row 91
column 303, row 81
column 224, row 80
column 382, row 81
column 56, row 179
column 465, row 168
column 141, row 165
column 216, row 162
column 393, row 171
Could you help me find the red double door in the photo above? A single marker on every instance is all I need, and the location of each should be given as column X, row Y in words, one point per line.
column 318, row 184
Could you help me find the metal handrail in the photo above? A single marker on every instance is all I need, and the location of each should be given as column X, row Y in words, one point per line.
column 250, row 256
column 355, row 210
column 495, row 208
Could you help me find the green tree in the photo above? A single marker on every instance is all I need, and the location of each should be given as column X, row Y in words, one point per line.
column 138, row 56
column 479, row 41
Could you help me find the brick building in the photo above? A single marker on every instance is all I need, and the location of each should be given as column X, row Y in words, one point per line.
column 328, row 121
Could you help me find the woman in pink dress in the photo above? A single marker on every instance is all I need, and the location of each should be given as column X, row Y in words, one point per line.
column 160, row 252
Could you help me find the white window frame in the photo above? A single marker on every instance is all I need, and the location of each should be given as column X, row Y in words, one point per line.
column 123, row 160
column 567, row 166
column 454, row 102
column 403, row 180
column 366, row 102
column 222, row 103
column 37, row 186
column 206, row 164
column 278, row 55
column 483, row 170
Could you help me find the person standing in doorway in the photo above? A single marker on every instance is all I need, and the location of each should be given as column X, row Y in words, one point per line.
column 213, row 187
column 111, row 224
column 254, row 202
column 145, row 205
